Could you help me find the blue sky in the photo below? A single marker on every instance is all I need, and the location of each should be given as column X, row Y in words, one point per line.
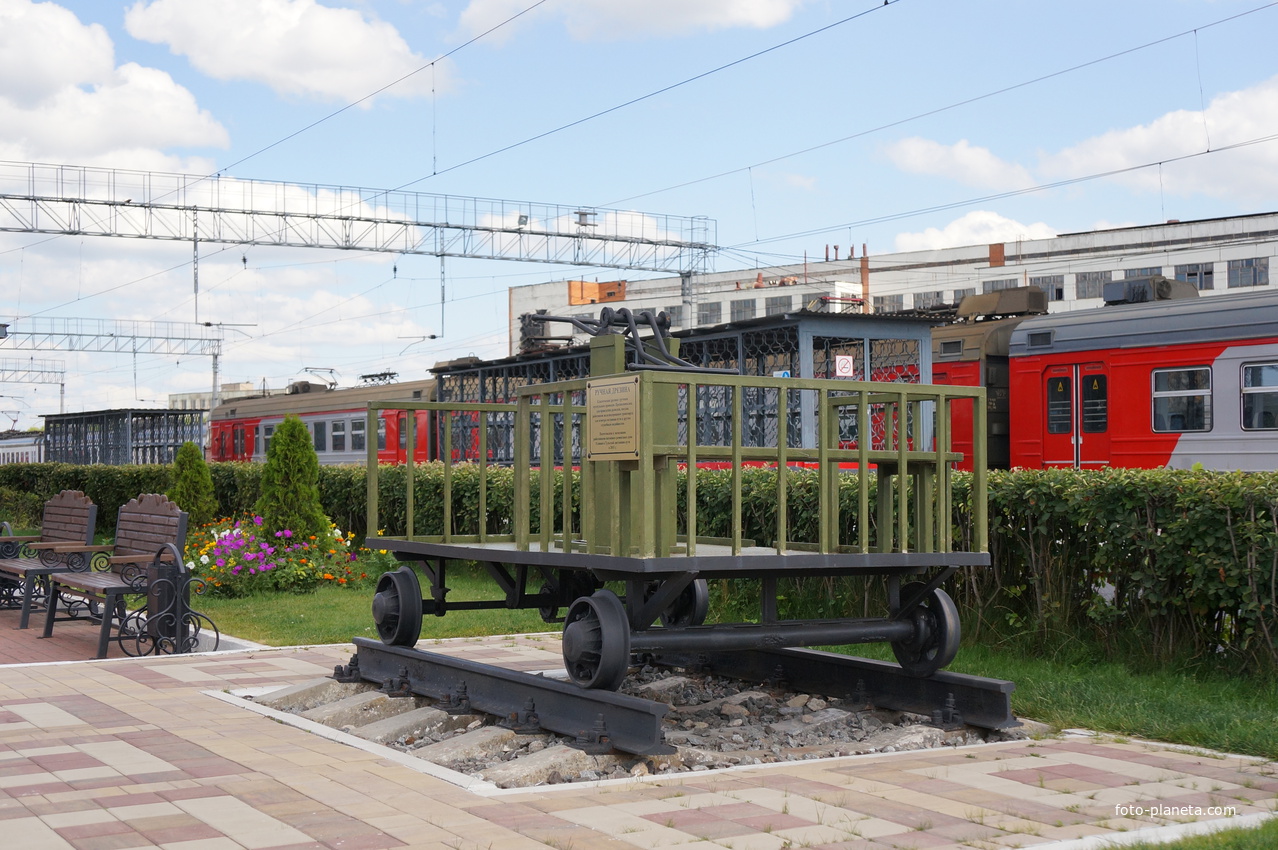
column 834, row 123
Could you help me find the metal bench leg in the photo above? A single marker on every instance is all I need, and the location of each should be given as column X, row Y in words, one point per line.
column 28, row 592
column 110, row 615
column 50, row 607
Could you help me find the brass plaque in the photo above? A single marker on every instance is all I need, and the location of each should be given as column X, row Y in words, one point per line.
column 612, row 405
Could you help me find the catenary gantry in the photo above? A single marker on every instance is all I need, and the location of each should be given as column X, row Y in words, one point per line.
column 78, row 200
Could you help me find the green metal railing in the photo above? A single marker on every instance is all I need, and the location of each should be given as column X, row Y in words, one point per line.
column 481, row 413
column 630, row 507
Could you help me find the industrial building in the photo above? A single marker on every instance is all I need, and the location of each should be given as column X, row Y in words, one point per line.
column 1216, row 255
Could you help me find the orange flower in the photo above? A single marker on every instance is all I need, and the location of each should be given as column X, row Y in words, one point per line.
column 329, row 577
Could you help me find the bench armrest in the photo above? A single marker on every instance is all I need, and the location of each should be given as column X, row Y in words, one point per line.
column 64, row 548
column 138, row 559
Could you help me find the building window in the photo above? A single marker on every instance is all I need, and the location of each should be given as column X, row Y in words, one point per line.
column 1254, row 272
column 960, row 294
column 924, row 300
column 1052, row 284
column 338, row 435
column 709, row 314
column 889, row 303
column 357, row 435
column 675, row 314
column 1148, row 271
column 1199, row 274
column 1091, row 284
column 775, row 305
column 741, row 309
column 321, row 441
column 996, row 285
column 1182, row 399
column 1260, row 397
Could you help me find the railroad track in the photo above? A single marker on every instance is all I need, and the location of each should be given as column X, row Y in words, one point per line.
column 601, row 721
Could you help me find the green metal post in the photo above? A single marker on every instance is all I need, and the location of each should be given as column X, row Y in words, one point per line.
column 692, row 469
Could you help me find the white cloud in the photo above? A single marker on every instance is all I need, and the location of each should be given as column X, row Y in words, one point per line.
column 1247, row 174
column 979, row 227
column 296, row 47
column 62, row 99
column 44, row 49
column 608, row 20
column 962, row 162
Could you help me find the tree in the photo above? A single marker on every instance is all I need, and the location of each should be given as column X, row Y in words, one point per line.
column 290, row 483
column 192, row 488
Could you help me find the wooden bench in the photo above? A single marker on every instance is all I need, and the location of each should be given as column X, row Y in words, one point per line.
column 26, row 561
column 147, row 527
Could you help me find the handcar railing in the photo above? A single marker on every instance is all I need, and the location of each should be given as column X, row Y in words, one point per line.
column 482, row 418
column 896, row 436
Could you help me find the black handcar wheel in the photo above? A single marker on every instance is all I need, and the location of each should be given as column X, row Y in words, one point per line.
column 689, row 608
column 596, row 641
column 936, row 633
column 397, row 607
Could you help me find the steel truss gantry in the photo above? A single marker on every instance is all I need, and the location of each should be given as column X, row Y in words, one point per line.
column 32, row 371
column 77, row 200
column 110, row 335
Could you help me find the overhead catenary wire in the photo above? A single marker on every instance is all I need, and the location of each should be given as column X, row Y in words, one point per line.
column 949, row 107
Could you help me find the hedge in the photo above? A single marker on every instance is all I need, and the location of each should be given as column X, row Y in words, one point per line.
column 1166, row 564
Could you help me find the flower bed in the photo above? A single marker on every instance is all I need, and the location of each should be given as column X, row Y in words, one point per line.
column 237, row 557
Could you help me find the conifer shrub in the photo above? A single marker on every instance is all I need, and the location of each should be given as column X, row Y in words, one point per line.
column 290, row 490
column 192, row 488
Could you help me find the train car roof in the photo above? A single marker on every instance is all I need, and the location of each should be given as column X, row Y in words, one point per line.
column 318, row 401
column 1235, row 316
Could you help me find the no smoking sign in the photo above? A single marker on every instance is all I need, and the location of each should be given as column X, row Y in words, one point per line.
column 844, row 366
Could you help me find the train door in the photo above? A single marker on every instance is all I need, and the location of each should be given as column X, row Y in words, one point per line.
column 1076, row 429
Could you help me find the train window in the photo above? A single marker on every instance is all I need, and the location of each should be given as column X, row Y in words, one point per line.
column 1095, row 403
column 1182, row 399
column 951, row 347
column 321, row 436
column 338, row 435
column 381, row 435
column 403, row 433
column 1060, row 405
column 357, row 435
column 266, row 438
column 1039, row 339
column 1260, row 397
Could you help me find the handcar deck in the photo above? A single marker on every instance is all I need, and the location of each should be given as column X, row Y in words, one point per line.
column 710, row 561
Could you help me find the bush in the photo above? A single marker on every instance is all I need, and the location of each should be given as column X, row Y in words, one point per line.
column 192, row 488
column 20, row 509
column 290, row 492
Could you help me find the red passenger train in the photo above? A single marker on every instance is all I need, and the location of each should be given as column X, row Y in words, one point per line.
column 1141, row 382
column 241, row 429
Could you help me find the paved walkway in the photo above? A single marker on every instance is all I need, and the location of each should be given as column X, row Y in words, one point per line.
column 154, row 753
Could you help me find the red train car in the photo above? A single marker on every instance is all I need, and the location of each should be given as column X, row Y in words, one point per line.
column 241, row 429
column 973, row 352
column 1169, row 383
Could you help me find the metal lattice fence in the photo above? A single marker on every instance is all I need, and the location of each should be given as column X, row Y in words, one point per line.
column 789, row 345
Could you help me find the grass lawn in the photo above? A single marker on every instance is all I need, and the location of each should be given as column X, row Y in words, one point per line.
column 336, row 614
column 1262, row 838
